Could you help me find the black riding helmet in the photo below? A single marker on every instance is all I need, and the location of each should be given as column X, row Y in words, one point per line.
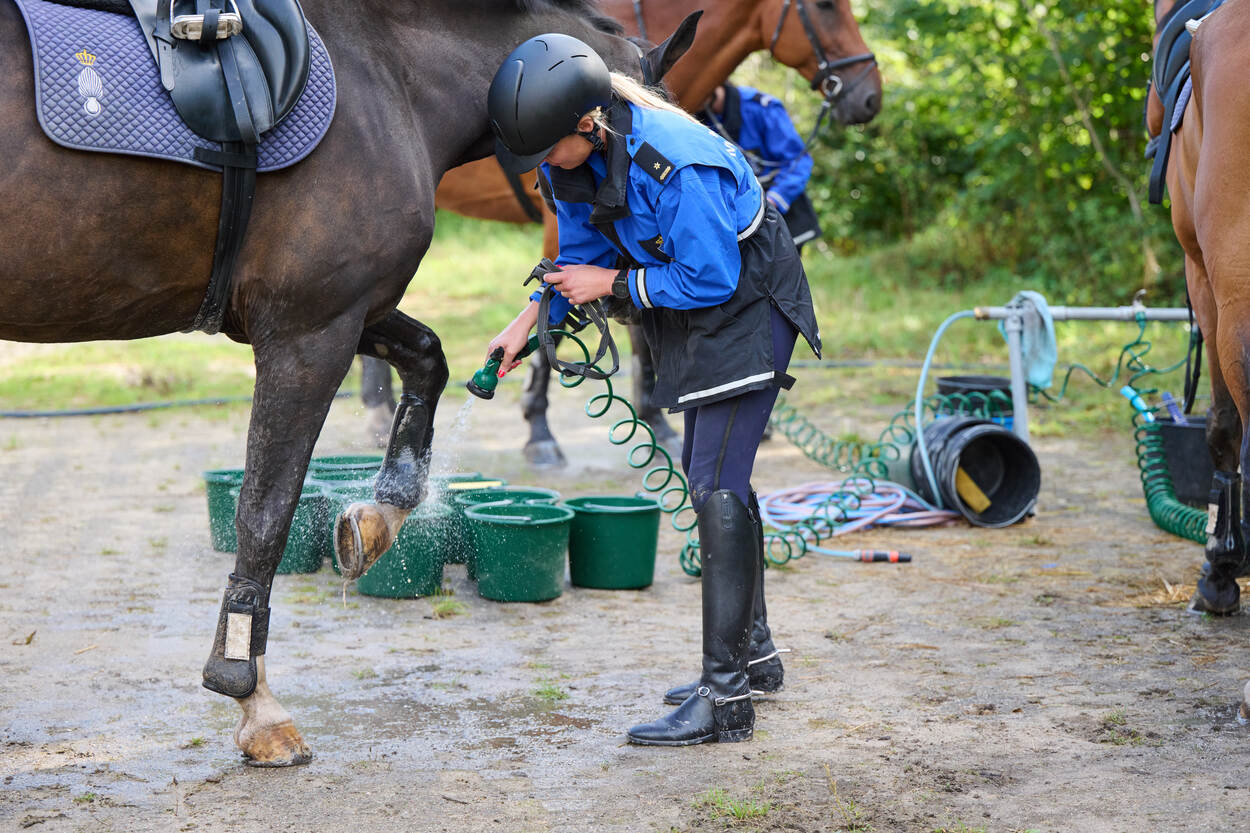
column 540, row 93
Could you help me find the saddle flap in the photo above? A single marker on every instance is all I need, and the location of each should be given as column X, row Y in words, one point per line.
column 271, row 53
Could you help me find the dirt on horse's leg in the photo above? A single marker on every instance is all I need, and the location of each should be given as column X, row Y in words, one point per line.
column 365, row 531
column 296, row 377
column 541, row 449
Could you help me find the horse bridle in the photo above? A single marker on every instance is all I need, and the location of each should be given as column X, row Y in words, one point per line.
column 826, row 80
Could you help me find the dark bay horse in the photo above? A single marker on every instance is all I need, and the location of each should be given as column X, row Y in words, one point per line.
column 119, row 247
column 1208, row 180
column 818, row 38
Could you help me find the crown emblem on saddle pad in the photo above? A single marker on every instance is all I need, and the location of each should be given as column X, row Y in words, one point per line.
column 90, row 85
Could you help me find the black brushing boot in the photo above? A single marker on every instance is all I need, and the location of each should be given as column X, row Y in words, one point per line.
column 764, row 669
column 1218, row 593
column 720, row 707
column 242, row 630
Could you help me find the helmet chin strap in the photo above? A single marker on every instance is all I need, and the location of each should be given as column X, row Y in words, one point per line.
column 592, row 136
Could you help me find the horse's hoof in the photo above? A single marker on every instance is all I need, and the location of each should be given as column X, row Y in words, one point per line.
column 1199, row 604
column 361, row 537
column 1243, row 713
column 544, row 454
column 277, row 746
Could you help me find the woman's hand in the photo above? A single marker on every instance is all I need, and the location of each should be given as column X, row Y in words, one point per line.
column 514, row 337
column 582, row 284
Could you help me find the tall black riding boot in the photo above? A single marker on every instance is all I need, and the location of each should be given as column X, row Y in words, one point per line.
column 1218, row 593
column 720, row 708
column 764, row 669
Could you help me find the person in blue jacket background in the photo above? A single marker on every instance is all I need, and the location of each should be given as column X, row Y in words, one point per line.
column 661, row 214
column 761, row 127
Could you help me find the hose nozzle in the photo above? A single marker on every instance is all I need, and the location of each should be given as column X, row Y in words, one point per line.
column 484, row 381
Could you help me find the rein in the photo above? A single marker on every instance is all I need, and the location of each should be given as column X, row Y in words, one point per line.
column 826, row 81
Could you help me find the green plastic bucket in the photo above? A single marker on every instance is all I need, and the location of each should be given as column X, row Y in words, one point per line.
column 445, row 488
column 306, row 540
column 413, row 566
column 519, row 549
column 612, row 542
column 222, row 488
column 364, row 462
column 497, row 494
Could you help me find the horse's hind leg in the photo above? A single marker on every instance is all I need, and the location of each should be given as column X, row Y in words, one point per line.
column 541, row 449
column 365, row 531
column 644, row 388
column 296, row 377
column 1217, row 591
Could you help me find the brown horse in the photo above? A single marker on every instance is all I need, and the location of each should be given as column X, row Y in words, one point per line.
column 818, row 38
column 1208, row 178
column 118, row 247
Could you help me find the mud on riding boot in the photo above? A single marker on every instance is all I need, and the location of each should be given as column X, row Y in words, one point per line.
column 764, row 670
column 242, row 630
column 720, row 708
column 1218, row 593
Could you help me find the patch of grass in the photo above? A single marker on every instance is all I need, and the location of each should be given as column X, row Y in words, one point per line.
column 959, row 827
column 445, row 606
column 110, row 551
column 195, row 743
column 991, row 623
column 158, row 544
column 550, row 692
column 85, row 798
column 12, row 444
column 719, row 803
column 365, row 674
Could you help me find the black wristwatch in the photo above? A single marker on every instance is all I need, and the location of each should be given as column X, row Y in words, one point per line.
column 620, row 284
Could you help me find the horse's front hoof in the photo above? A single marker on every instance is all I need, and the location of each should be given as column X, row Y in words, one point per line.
column 544, row 454
column 361, row 536
column 276, row 746
column 1243, row 711
column 1226, row 605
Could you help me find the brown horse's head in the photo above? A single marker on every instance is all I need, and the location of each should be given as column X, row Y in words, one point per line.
column 1154, row 104
column 821, row 39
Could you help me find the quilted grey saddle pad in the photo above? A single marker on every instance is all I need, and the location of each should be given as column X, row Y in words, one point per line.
column 97, row 88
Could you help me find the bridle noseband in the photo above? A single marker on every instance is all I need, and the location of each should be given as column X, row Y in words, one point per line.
column 826, row 81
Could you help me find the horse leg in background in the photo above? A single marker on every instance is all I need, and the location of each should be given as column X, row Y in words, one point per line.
column 541, row 449
column 644, row 387
column 1217, row 592
column 296, row 379
column 365, row 531
column 378, row 398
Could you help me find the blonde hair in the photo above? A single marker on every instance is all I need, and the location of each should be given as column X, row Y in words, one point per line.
column 635, row 92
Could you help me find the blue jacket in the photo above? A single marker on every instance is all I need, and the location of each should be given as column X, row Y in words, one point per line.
column 760, row 125
column 687, row 207
column 679, row 208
